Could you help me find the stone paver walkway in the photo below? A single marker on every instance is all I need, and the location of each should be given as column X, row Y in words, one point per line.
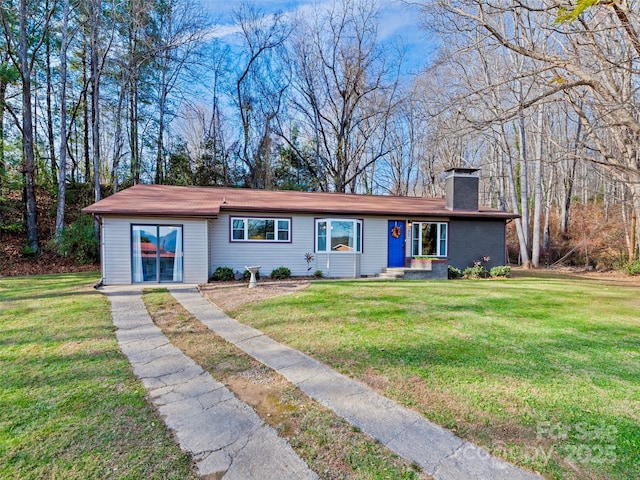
column 225, row 437
column 437, row 451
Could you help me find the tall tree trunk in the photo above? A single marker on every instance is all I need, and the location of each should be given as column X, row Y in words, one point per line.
column 161, row 120
column 62, row 171
column 29, row 164
column 524, row 251
column 133, row 129
column 3, row 166
column 85, row 123
column 96, row 12
column 117, row 138
column 50, row 129
column 568, row 194
column 569, row 181
column 524, row 188
column 537, row 197
column 633, row 236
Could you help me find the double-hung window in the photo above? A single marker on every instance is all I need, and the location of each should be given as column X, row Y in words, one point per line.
column 429, row 239
column 338, row 235
column 247, row 229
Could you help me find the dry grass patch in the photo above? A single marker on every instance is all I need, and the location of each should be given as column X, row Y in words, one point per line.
column 330, row 446
column 228, row 296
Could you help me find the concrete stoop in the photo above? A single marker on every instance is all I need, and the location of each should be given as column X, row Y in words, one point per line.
column 392, row 274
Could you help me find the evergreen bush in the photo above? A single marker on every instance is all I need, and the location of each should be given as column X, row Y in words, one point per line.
column 280, row 273
column 477, row 271
column 79, row 241
column 453, row 272
column 500, row 271
column 222, row 274
column 247, row 275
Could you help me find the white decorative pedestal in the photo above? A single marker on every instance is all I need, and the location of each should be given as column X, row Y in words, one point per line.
column 253, row 270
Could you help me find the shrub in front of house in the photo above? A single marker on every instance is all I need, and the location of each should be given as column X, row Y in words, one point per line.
column 453, row 272
column 500, row 271
column 318, row 274
column 247, row 275
column 222, row 274
column 280, row 273
column 477, row 271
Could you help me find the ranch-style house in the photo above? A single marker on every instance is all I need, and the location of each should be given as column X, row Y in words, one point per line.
column 160, row 233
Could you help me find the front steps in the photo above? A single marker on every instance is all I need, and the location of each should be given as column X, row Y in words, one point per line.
column 396, row 273
column 439, row 271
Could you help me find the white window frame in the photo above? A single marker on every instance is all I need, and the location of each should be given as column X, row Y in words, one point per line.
column 245, row 229
column 357, row 235
column 442, row 241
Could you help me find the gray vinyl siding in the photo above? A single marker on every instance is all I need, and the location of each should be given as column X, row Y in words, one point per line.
column 196, row 251
column 270, row 255
column 470, row 240
column 374, row 253
column 340, row 264
column 210, row 230
column 207, row 246
column 116, row 261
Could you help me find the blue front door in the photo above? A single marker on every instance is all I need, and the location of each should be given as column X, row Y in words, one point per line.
column 396, row 235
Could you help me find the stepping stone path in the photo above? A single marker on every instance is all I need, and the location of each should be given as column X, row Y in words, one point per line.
column 225, row 437
column 436, row 450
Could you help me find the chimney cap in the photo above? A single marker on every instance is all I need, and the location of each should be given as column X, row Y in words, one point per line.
column 462, row 171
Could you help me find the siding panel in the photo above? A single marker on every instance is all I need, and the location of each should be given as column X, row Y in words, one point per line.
column 237, row 255
column 374, row 256
column 116, row 233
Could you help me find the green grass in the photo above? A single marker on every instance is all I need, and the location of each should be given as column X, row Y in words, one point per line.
column 70, row 407
column 542, row 370
column 327, row 443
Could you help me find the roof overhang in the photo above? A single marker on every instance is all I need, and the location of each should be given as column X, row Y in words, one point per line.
column 208, row 202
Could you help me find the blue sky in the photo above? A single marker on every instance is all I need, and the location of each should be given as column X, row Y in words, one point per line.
column 398, row 23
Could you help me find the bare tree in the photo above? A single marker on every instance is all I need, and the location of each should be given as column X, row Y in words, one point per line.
column 62, row 169
column 591, row 62
column 260, row 88
column 179, row 31
column 344, row 90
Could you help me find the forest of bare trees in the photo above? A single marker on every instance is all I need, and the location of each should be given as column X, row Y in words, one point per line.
column 541, row 96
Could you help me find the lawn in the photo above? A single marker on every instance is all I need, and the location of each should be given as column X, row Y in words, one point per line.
column 543, row 370
column 70, row 407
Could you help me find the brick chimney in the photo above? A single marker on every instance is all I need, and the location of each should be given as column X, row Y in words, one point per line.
column 461, row 189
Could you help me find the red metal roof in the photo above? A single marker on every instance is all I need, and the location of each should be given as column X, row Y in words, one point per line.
column 175, row 201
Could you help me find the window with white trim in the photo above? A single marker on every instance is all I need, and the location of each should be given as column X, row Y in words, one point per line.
column 247, row 229
column 429, row 239
column 338, row 235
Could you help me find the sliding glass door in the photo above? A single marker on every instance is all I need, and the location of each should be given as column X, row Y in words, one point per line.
column 156, row 253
